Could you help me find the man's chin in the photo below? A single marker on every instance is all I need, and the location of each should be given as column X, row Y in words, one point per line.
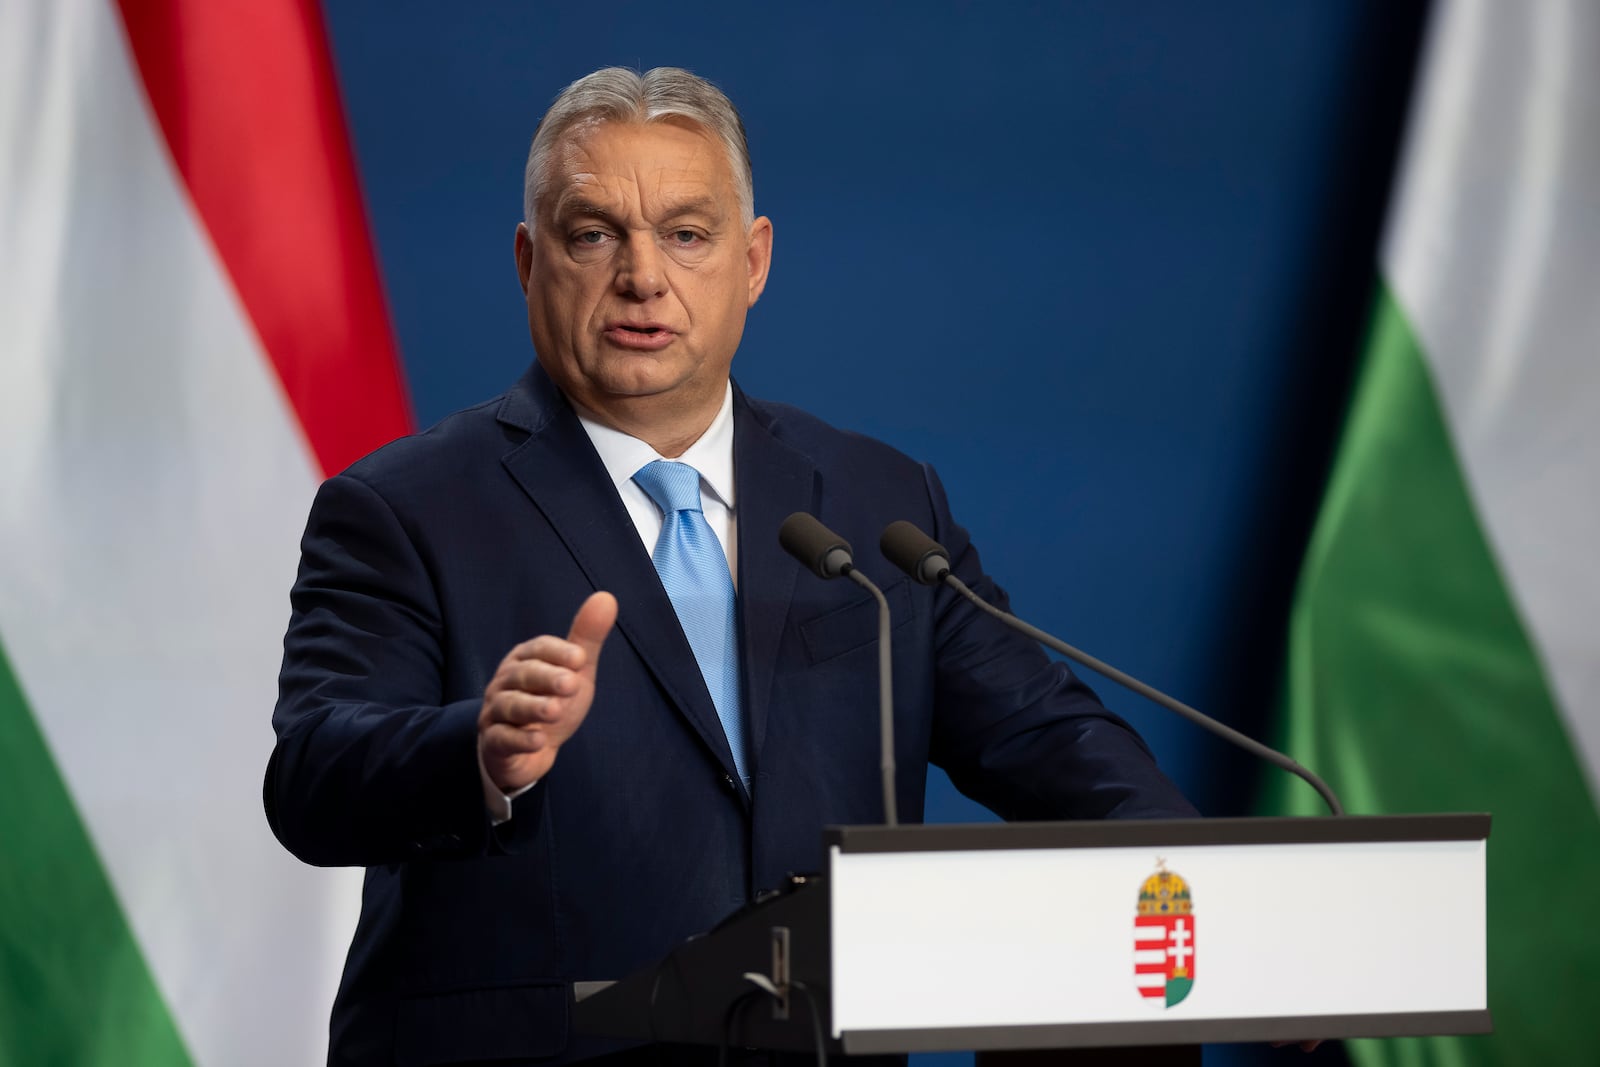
column 640, row 394
column 639, row 375
column 647, row 380
column 639, row 389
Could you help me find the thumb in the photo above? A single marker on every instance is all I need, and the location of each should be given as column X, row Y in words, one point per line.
column 591, row 625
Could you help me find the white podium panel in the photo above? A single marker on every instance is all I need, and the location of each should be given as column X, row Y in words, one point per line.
column 967, row 929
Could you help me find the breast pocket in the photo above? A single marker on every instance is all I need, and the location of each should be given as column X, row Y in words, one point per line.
column 845, row 629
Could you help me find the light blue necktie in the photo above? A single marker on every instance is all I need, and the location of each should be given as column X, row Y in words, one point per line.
column 694, row 570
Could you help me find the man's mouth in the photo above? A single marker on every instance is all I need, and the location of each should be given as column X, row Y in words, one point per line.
column 639, row 335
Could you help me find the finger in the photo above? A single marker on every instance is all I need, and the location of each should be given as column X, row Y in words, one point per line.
column 501, row 740
column 591, row 625
column 520, row 709
column 546, row 647
column 589, row 629
column 536, row 676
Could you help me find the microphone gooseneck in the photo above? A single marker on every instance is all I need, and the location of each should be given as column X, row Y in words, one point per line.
column 927, row 561
column 827, row 555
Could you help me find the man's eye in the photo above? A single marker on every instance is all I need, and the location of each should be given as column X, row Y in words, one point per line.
column 591, row 237
column 685, row 237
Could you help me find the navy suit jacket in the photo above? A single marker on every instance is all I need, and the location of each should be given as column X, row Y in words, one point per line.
column 425, row 563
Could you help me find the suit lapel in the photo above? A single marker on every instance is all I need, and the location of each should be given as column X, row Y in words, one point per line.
column 773, row 481
column 558, row 468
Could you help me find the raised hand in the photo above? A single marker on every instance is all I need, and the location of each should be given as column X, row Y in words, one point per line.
column 539, row 696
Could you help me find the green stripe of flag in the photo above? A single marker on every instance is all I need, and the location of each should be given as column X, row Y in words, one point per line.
column 1413, row 686
column 74, row 987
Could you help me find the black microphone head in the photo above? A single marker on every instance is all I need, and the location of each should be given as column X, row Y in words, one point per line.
column 823, row 552
column 914, row 552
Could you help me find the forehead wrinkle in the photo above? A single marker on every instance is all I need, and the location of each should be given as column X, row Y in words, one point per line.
column 669, row 191
column 587, row 192
column 706, row 206
column 693, row 179
column 574, row 177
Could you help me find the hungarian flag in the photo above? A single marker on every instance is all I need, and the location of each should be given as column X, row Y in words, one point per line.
column 1444, row 650
column 192, row 335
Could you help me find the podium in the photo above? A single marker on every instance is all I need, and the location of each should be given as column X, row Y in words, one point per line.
column 1087, row 936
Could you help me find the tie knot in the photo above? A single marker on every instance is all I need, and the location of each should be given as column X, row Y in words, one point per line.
column 673, row 486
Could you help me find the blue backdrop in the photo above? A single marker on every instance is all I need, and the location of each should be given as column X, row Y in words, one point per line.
column 1105, row 264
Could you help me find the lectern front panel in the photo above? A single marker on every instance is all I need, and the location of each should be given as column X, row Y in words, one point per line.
column 1063, row 936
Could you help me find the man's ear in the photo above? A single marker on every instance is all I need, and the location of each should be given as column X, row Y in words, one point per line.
column 758, row 258
column 522, row 248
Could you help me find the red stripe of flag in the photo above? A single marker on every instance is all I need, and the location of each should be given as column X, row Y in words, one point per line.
column 247, row 101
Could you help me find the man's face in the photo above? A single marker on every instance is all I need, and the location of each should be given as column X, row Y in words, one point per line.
column 638, row 272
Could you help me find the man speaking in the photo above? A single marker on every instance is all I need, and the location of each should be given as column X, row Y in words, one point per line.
column 550, row 677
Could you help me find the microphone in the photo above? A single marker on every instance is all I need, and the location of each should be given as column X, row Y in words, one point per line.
column 914, row 552
column 827, row 555
column 823, row 552
column 928, row 563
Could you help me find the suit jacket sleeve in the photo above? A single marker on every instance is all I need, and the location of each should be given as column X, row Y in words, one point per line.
column 371, row 766
column 1017, row 731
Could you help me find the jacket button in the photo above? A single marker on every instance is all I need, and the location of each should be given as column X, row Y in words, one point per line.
column 727, row 783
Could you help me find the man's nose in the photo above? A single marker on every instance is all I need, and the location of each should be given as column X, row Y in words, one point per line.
column 640, row 269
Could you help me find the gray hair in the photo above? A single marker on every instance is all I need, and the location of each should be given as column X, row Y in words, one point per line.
column 623, row 95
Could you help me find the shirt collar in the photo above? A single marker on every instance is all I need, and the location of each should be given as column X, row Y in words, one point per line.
column 711, row 455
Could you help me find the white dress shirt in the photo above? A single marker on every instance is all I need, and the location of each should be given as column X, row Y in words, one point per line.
column 711, row 455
